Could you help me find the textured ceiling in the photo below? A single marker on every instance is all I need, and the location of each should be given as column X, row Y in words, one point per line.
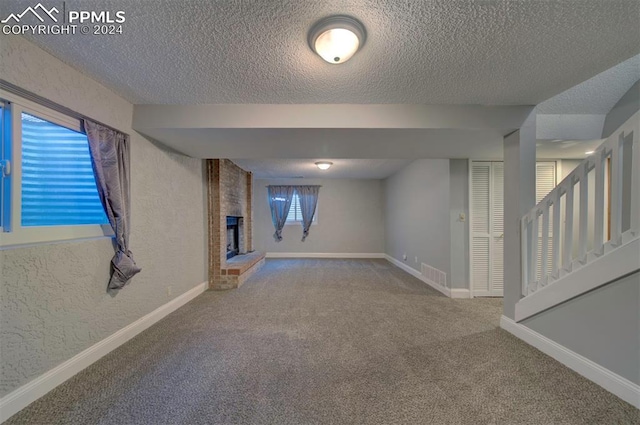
column 499, row 52
column 341, row 169
column 598, row 94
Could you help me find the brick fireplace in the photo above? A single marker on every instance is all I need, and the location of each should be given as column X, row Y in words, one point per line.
column 231, row 256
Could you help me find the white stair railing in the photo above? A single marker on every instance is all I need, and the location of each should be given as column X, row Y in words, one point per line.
column 592, row 212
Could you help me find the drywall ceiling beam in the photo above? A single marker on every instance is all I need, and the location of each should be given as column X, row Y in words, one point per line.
column 569, row 127
column 390, row 116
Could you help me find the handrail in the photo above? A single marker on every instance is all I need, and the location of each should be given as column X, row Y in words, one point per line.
column 609, row 181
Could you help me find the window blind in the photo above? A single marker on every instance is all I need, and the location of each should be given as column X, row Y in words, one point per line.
column 58, row 185
column 295, row 214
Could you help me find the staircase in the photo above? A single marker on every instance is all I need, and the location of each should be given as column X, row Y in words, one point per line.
column 586, row 232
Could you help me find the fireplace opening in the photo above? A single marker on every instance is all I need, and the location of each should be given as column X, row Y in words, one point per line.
column 233, row 236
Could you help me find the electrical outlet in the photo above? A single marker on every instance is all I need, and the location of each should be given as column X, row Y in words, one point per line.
column 404, row 256
column 462, row 217
column 169, row 291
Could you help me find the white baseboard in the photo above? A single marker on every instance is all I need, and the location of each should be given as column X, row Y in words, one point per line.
column 612, row 382
column 460, row 293
column 30, row 392
column 324, row 255
column 416, row 273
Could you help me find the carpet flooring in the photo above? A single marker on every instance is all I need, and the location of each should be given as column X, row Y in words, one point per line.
column 324, row 341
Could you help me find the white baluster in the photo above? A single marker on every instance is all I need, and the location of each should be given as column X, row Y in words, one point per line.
column 524, row 240
column 568, row 227
column 598, row 239
column 533, row 245
column 545, row 244
column 583, row 235
column 555, row 266
column 616, row 191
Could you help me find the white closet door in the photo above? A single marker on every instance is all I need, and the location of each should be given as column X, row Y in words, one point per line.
column 487, row 223
column 497, row 228
column 481, row 228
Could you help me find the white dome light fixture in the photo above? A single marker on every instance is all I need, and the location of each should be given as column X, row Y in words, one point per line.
column 324, row 165
column 337, row 38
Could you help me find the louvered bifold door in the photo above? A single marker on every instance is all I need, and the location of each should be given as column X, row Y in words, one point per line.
column 487, row 224
column 497, row 229
column 480, row 228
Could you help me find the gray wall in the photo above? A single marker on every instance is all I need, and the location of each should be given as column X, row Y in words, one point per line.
column 349, row 218
column 53, row 299
column 416, row 214
column 459, row 203
column 566, row 166
column 628, row 105
column 602, row 325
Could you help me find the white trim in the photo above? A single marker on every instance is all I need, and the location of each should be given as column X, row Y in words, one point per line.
column 324, row 255
column 612, row 382
column 605, row 269
column 31, row 245
column 417, row 274
column 460, row 293
column 38, row 109
column 30, row 392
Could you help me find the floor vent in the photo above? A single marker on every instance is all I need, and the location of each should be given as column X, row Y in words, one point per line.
column 434, row 275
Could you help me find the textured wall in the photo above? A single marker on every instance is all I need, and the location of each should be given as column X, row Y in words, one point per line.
column 628, row 105
column 349, row 218
column 417, row 213
column 53, row 299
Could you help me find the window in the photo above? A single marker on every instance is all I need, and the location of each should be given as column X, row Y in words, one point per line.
column 48, row 188
column 4, row 167
column 295, row 214
column 58, row 186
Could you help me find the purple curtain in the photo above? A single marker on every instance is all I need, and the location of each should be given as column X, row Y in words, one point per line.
column 308, row 197
column 110, row 159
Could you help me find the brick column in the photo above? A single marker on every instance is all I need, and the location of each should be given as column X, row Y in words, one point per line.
column 214, row 221
column 248, row 221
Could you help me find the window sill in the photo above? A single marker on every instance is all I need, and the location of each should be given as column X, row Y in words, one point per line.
column 34, row 244
column 34, row 236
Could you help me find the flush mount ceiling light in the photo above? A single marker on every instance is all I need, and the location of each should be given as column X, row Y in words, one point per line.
column 324, row 165
column 337, row 38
